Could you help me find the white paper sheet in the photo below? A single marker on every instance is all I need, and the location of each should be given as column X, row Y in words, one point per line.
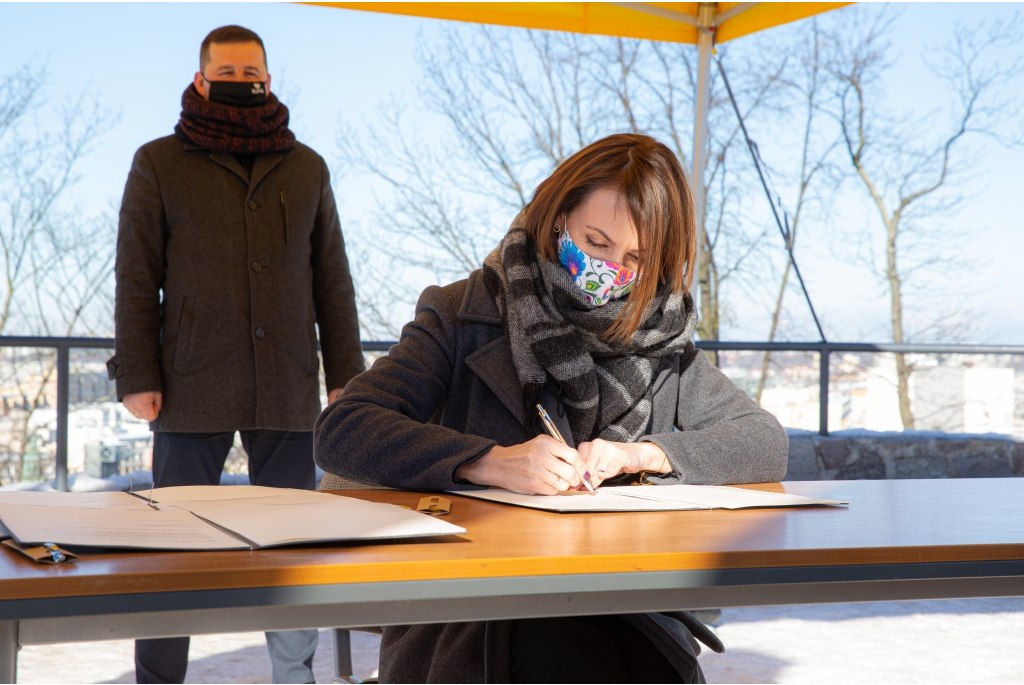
column 170, row 528
column 227, row 493
column 86, row 500
column 573, row 501
column 650, row 498
column 208, row 517
column 276, row 521
column 720, row 497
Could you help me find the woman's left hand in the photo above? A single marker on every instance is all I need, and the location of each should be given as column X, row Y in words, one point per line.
column 608, row 459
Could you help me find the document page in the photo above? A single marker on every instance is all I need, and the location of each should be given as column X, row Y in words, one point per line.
column 86, row 500
column 170, row 528
column 271, row 522
column 649, row 498
column 576, row 501
column 191, row 494
column 720, row 496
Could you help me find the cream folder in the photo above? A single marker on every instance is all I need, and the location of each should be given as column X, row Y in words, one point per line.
column 208, row 517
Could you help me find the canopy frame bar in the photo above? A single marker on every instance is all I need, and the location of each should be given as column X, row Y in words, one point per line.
column 655, row 10
column 707, row 25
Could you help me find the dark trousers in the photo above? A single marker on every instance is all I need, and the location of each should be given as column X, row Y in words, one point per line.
column 277, row 459
column 586, row 649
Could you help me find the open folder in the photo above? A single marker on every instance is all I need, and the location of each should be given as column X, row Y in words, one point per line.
column 207, row 518
column 652, row 498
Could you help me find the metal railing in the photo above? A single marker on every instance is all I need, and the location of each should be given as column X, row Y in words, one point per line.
column 63, row 346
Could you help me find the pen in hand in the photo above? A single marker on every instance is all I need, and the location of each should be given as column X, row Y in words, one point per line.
column 552, row 430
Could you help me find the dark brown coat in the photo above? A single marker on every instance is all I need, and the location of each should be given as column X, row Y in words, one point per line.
column 448, row 392
column 221, row 283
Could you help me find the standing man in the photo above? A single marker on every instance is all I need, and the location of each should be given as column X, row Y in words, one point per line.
column 229, row 256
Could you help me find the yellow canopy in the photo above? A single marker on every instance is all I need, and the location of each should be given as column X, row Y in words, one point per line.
column 674, row 22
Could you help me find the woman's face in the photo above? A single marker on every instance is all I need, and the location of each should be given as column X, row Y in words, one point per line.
column 602, row 228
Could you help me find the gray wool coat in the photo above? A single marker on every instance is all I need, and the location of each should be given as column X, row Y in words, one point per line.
column 222, row 280
column 448, row 392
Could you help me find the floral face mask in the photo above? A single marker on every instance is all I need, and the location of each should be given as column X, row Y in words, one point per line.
column 600, row 281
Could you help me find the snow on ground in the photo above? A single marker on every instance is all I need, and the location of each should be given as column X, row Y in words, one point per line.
column 950, row 641
column 973, row 641
column 227, row 658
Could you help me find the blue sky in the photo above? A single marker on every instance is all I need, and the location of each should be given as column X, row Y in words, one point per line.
column 138, row 58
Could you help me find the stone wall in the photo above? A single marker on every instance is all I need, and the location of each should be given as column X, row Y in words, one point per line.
column 859, row 455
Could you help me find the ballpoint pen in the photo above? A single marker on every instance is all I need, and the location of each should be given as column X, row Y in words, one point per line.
column 552, row 430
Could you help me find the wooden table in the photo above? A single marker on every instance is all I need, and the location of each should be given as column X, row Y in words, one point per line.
column 903, row 539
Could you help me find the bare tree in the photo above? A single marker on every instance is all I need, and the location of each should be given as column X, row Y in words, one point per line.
column 807, row 83
column 516, row 104
column 909, row 173
column 55, row 263
column 726, row 246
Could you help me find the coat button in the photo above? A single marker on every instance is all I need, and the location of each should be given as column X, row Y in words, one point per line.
column 257, row 267
column 252, row 205
column 260, row 333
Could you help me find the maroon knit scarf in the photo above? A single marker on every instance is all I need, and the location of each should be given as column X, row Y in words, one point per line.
column 238, row 130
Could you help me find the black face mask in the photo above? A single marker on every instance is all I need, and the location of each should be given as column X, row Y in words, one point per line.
column 244, row 94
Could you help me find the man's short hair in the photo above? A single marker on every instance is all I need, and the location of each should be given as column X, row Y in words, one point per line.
column 228, row 34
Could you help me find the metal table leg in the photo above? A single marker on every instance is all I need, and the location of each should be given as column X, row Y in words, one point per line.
column 342, row 640
column 8, row 651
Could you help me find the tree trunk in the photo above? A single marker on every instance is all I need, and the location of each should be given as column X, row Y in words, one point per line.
column 707, row 322
column 771, row 334
column 903, row 370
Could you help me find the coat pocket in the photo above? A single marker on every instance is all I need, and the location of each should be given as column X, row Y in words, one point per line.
column 186, row 326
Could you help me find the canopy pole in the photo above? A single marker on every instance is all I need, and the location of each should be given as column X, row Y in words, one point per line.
column 705, row 45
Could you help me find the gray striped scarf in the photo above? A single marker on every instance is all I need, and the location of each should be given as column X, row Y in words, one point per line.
column 606, row 386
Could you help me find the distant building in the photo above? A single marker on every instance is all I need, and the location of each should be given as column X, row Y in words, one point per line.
column 964, row 399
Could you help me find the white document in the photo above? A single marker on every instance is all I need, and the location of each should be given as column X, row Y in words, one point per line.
column 572, row 501
column 720, row 497
column 207, row 518
column 86, row 500
column 649, row 498
column 145, row 528
column 271, row 517
column 228, row 493
column 276, row 521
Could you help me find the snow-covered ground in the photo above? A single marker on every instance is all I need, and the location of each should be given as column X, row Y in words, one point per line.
column 954, row 641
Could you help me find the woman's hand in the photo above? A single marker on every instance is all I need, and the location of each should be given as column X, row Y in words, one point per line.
column 542, row 466
column 606, row 459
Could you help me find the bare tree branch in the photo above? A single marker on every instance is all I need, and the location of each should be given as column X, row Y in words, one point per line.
column 903, row 168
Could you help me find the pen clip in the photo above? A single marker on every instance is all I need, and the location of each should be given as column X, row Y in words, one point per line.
column 550, row 425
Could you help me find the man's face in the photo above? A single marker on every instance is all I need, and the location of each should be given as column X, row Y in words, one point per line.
column 239, row 62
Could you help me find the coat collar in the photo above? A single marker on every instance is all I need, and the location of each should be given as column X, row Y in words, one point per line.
column 260, row 168
column 477, row 304
column 493, row 362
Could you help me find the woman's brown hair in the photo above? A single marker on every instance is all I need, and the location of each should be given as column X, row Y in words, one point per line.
column 660, row 204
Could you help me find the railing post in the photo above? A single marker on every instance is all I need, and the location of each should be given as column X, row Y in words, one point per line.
column 823, row 373
column 63, row 371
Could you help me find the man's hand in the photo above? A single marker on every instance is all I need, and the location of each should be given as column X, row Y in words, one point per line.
column 144, row 405
column 606, row 459
column 333, row 395
column 542, row 466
